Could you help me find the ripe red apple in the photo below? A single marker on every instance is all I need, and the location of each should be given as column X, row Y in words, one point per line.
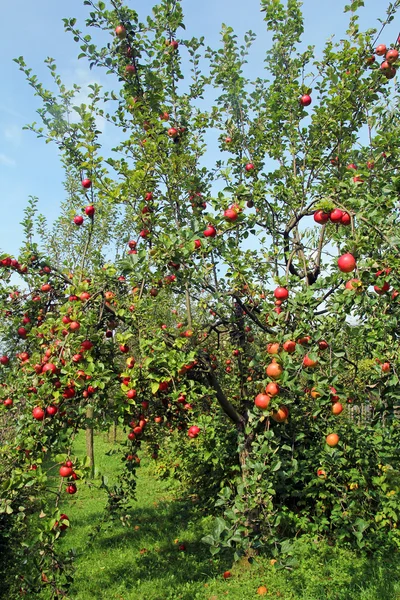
column 22, row 332
column 172, row 132
column 131, row 394
column 321, row 217
column 66, row 471
column 8, row 402
column 345, row 220
column 174, row 44
column 130, row 70
column 228, row 140
column 380, row 50
column 197, row 244
column 391, row 56
column 321, row 473
column 305, row 100
column 86, row 345
column 120, row 32
column 49, row 367
column 227, row 574
column 281, row 293
column 38, row 413
column 4, row 360
column 78, row 220
column 262, row 401
column 193, row 431
column 336, row 215
column 346, row 263
column 90, row 210
column 230, row 214
column 71, row 488
column 289, row 346
column 74, row 326
column 86, row 183
column 144, row 233
column 249, row 167
column 124, row 348
column 385, row 367
column 337, row 408
column 352, row 166
column 323, row 345
column 210, row 231
column 309, row 363
column 388, row 70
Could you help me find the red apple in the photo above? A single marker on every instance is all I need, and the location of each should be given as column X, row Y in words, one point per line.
column 38, row 413
column 193, row 431
column 230, row 214
column 345, row 220
column 86, row 183
column 321, row 217
column 262, row 401
column 89, row 210
column 289, row 346
column 49, row 367
column 249, row 167
column 305, row 100
column 78, row 220
column 392, row 56
column 120, row 32
column 66, row 471
column 210, row 231
column 336, row 215
column 380, row 50
column 130, row 70
column 86, row 345
column 4, row 360
column 346, row 263
column 281, row 293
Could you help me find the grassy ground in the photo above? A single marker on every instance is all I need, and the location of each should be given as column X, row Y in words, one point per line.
column 143, row 561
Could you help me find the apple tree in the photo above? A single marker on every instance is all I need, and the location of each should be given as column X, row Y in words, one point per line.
column 246, row 300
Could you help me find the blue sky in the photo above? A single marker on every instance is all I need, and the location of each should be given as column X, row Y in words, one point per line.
column 35, row 30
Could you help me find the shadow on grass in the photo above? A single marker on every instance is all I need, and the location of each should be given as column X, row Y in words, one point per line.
column 337, row 574
column 150, row 552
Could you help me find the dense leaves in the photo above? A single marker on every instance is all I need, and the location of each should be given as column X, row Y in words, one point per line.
column 190, row 284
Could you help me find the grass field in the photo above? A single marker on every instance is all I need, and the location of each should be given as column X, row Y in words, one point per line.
column 143, row 561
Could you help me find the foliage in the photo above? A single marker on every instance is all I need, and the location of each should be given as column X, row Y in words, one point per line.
column 172, row 307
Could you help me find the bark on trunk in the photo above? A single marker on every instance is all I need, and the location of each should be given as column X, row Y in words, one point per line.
column 90, row 441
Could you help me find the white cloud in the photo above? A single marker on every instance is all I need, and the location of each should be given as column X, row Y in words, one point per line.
column 7, row 161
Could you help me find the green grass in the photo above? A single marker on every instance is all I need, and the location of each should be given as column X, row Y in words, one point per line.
column 143, row 562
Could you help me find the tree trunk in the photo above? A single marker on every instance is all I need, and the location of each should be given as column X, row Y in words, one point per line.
column 90, row 441
column 252, row 514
